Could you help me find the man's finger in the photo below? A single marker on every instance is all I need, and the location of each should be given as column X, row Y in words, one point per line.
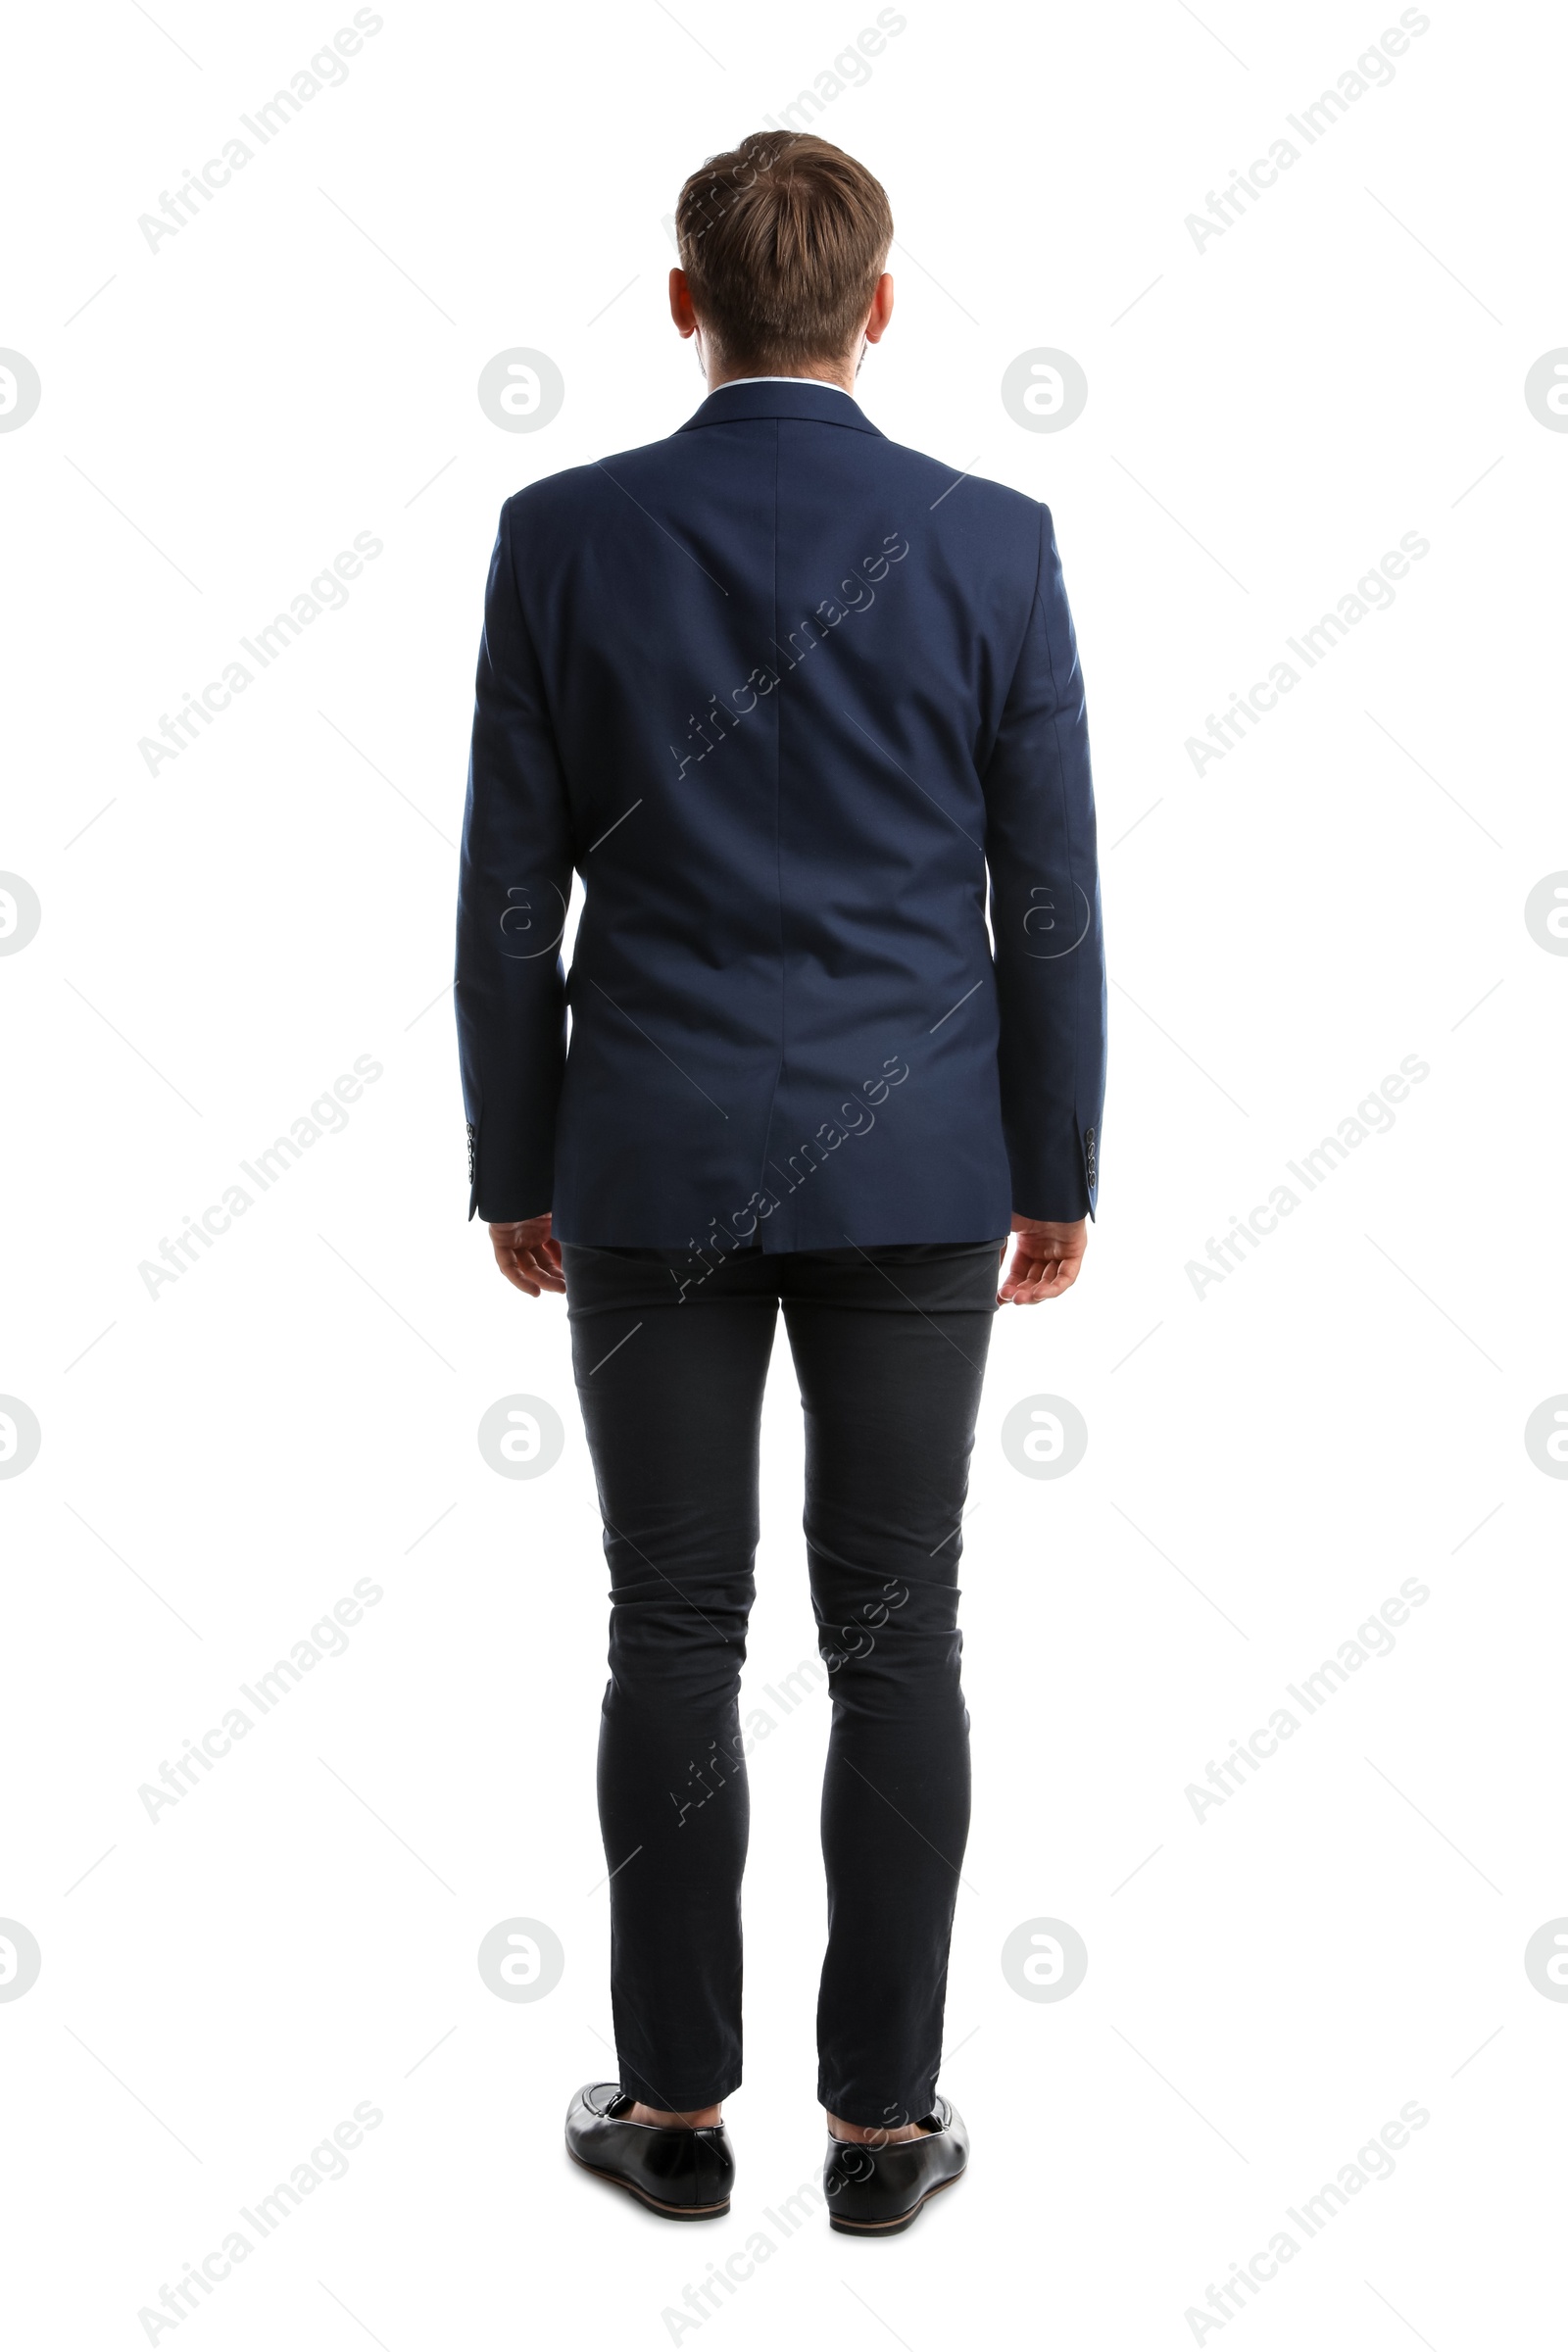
column 1013, row 1279
column 514, row 1267
column 1023, row 1286
column 1042, row 1277
column 544, row 1272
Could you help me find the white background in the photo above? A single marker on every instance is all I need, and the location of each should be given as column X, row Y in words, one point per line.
column 220, row 1465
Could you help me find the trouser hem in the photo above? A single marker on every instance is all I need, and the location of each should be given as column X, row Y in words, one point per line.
column 887, row 2118
column 638, row 2086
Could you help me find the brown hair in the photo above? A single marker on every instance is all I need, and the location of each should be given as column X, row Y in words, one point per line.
column 782, row 241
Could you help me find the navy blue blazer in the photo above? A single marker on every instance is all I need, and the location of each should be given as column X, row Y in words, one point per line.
column 780, row 693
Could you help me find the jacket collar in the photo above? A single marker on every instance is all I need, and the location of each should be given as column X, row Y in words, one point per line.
column 812, row 404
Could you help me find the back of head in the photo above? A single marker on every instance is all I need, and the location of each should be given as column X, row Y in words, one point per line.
column 782, row 241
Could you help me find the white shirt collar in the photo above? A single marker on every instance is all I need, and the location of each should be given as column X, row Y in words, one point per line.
column 731, row 380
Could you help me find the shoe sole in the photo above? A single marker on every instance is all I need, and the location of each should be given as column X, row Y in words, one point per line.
column 899, row 2222
column 673, row 2212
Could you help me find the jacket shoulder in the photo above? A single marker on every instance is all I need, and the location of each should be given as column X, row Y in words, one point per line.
column 576, row 489
column 970, row 511
column 1004, row 503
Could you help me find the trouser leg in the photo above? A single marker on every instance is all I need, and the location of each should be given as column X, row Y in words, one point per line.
column 890, row 1353
column 673, row 1411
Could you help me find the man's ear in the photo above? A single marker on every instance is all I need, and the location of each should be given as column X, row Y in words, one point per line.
column 876, row 325
column 680, row 304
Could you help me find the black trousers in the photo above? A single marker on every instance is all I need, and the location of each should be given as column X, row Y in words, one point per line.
column 671, row 1362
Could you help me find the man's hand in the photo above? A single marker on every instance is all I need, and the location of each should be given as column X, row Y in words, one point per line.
column 529, row 1257
column 1046, row 1259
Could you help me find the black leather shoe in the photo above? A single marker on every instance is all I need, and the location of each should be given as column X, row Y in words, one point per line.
column 874, row 2193
column 684, row 2173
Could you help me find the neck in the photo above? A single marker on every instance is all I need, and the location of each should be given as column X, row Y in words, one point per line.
column 820, row 371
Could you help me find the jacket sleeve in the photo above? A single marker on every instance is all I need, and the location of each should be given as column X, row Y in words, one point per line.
column 513, row 889
column 1045, row 918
